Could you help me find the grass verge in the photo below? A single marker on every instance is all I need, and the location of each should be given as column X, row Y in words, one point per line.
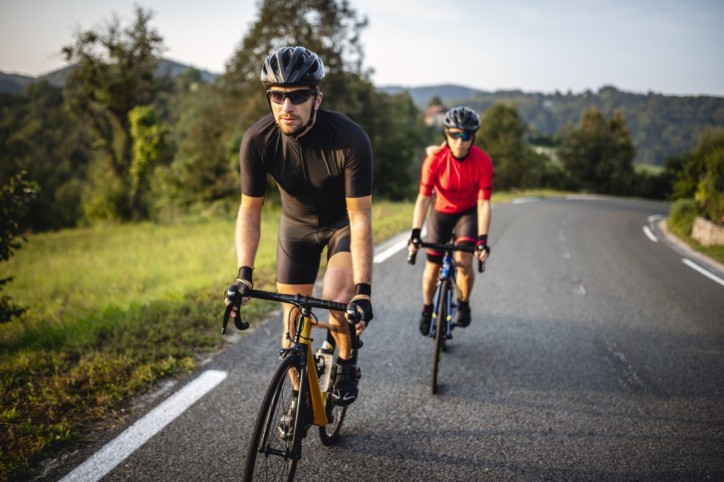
column 681, row 222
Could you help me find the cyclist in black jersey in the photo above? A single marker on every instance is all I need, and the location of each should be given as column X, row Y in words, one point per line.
column 322, row 164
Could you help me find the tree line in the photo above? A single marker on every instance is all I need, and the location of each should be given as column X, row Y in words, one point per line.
column 660, row 125
column 118, row 142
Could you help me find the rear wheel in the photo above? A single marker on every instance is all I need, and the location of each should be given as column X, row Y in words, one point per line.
column 275, row 446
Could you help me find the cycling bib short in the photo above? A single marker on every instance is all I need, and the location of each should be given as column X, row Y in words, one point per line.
column 441, row 226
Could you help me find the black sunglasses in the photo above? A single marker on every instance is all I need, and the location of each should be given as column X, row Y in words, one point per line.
column 465, row 136
column 296, row 97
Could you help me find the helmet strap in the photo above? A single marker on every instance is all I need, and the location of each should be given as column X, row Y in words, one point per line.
column 303, row 130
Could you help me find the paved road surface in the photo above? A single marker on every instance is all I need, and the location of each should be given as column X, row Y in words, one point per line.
column 594, row 353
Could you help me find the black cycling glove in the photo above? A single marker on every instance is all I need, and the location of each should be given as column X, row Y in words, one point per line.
column 242, row 287
column 362, row 302
column 482, row 244
column 415, row 239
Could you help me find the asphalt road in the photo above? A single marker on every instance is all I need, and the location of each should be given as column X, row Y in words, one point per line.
column 594, row 353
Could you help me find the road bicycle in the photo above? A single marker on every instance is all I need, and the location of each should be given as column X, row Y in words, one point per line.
column 287, row 412
column 444, row 306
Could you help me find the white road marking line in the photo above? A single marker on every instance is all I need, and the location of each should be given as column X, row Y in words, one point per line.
column 703, row 271
column 390, row 251
column 524, row 200
column 389, row 248
column 650, row 234
column 140, row 432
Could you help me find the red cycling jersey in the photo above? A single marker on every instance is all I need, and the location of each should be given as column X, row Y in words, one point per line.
column 458, row 185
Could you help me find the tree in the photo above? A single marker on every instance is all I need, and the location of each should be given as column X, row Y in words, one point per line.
column 205, row 165
column 502, row 136
column 113, row 73
column 208, row 142
column 701, row 175
column 330, row 28
column 38, row 137
column 435, row 101
column 599, row 154
column 14, row 198
column 396, row 132
column 149, row 140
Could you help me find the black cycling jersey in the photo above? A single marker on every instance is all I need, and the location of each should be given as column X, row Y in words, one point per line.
column 315, row 173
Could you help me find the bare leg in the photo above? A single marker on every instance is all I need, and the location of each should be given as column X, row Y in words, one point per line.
column 465, row 276
column 429, row 282
column 338, row 286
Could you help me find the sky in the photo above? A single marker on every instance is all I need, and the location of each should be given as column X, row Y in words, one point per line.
column 663, row 46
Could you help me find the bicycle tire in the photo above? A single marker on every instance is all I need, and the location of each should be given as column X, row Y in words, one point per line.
column 270, row 457
column 329, row 434
column 440, row 333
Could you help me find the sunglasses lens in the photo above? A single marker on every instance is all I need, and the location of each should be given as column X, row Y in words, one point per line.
column 299, row 96
column 465, row 136
column 276, row 97
column 296, row 97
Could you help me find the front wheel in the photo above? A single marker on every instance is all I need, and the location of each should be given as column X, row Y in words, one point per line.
column 440, row 319
column 329, row 434
column 275, row 446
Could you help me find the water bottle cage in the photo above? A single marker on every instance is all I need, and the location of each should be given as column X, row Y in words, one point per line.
column 319, row 362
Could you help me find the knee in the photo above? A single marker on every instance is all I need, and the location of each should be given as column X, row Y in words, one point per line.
column 340, row 292
column 465, row 269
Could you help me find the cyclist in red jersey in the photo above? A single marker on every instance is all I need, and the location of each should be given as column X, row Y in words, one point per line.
column 322, row 164
column 459, row 177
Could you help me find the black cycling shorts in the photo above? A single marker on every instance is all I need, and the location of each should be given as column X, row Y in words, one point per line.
column 441, row 226
column 300, row 246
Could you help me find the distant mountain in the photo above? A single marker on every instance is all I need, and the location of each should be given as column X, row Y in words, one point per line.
column 15, row 83
column 174, row 69
column 422, row 95
column 660, row 125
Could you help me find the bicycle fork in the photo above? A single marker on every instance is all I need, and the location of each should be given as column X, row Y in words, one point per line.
column 444, row 296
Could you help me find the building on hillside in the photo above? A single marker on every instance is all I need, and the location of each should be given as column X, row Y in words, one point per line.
column 434, row 116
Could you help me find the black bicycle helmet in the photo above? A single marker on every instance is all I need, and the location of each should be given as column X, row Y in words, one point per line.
column 290, row 66
column 462, row 118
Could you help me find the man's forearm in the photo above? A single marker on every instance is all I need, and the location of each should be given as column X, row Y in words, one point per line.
column 248, row 233
column 361, row 244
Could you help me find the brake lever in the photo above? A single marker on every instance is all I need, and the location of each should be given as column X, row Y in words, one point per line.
column 227, row 313
column 353, row 317
column 232, row 293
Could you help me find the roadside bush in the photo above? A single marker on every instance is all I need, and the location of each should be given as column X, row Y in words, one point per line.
column 14, row 199
column 682, row 216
